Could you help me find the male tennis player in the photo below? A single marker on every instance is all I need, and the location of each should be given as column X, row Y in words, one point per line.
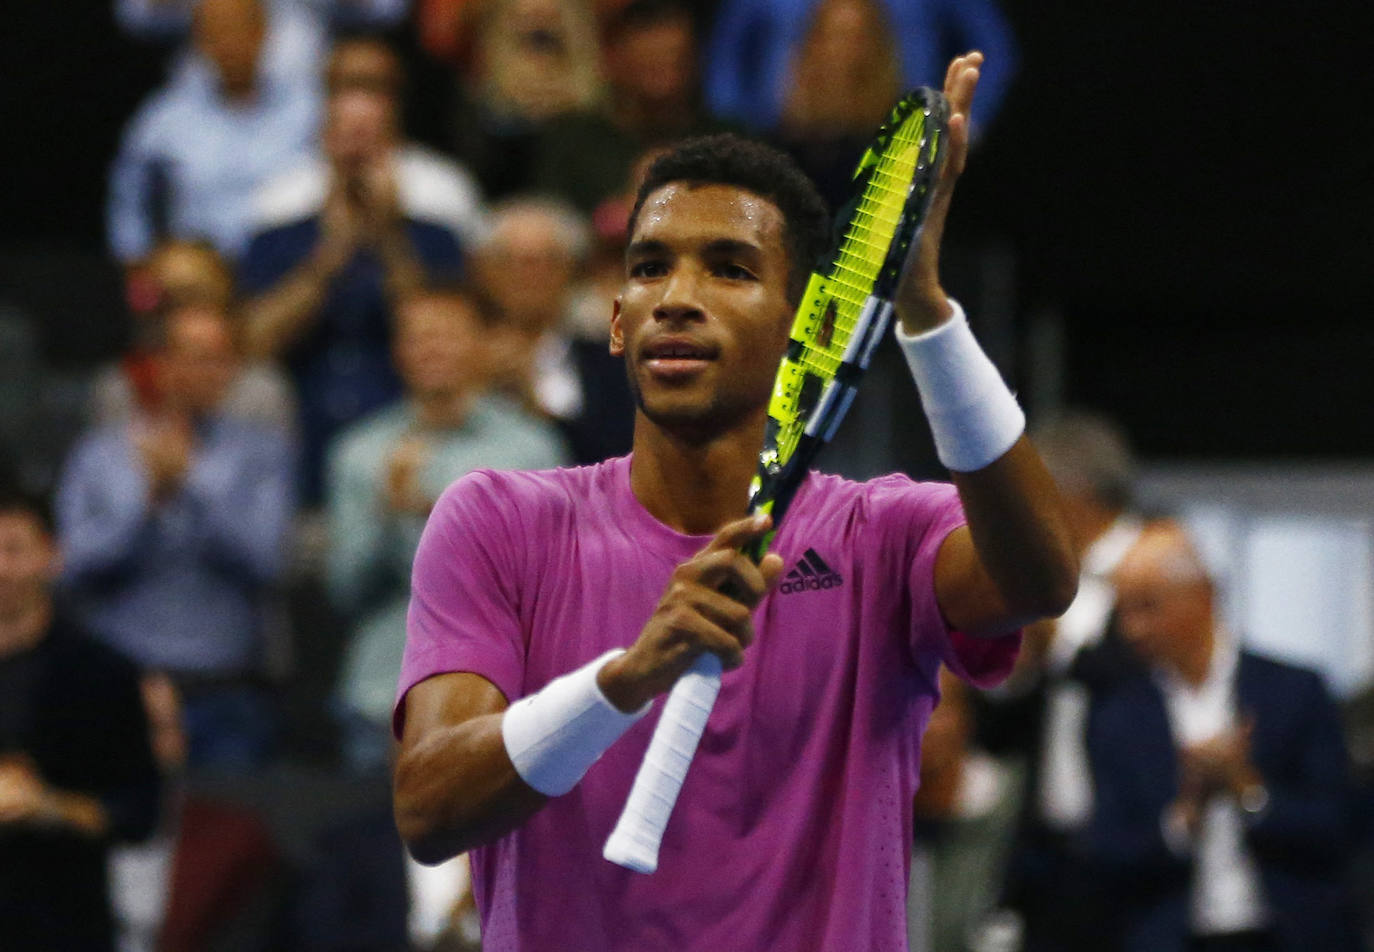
column 549, row 609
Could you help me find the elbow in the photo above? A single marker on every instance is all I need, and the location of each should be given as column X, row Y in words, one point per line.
column 1053, row 590
column 430, row 838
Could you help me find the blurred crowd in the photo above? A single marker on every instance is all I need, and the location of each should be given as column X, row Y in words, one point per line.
column 204, row 569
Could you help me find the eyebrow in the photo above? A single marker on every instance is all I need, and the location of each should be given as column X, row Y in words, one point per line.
column 716, row 247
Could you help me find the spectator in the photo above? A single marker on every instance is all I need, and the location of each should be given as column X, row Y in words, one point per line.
column 323, row 287
column 650, row 51
column 965, row 810
column 386, row 471
column 527, row 266
column 76, row 769
column 185, row 274
column 173, row 529
column 535, row 59
column 297, row 32
column 429, row 187
column 1222, row 815
column 842, row 84
column 753, row 42
column 195, row 153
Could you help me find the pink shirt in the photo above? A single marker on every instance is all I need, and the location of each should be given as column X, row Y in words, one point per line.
column 793, row 827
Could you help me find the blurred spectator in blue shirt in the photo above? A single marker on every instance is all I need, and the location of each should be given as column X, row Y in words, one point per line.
column 195, row 153
column 173, row 530
column 323, row 286
column 76, row 768
column 750, row 54
column 297, row 34
column 385, row 473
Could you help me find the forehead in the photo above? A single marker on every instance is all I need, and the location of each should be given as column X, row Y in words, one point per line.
column 683, row 211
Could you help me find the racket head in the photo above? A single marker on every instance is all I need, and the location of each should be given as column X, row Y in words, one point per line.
column 848, row 300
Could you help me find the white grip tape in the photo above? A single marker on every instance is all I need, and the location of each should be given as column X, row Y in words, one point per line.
column 635, row 840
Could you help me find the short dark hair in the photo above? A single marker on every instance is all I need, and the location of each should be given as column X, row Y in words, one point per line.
column 15, row 499
column 730, row 159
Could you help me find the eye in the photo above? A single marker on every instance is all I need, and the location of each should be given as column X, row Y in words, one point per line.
column 734, row 272
column 648, row 268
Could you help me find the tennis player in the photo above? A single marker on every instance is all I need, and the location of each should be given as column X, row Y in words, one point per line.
column 550, row 609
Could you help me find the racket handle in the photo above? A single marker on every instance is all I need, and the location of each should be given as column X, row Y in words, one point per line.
column 635, row 840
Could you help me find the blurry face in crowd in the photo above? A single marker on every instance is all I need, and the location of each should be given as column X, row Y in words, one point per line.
column 359, row 129
column 703, row 315
column 187, row 274
column 28, row 562
column 198, row 362
column 843, row 32
column 438, row 345
column 367, row 65
column 527, row 269
column 656, row 62
column 1164, row 599
column 229, row 33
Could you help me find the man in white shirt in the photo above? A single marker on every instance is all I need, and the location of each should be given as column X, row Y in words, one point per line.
column 1221, row 810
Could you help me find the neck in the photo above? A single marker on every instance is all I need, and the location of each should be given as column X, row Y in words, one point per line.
column 694, row 486
column 442, row 411
column 1197, row 663
column 25, row 627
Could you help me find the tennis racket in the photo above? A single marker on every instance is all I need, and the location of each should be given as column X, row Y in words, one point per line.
column 843, row 315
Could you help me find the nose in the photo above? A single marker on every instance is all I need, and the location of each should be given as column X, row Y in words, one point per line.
column 680, row 300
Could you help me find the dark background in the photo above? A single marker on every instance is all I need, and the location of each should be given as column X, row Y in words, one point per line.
column 1189, row 186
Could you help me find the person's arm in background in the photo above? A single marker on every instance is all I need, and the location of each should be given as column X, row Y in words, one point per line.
column 285, row 289
column 134, row 179
column 104, row 506
column 357, row 566
column 244, row 504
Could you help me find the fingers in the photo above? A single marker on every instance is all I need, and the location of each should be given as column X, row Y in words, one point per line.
column 734, row 535
column 729, row 571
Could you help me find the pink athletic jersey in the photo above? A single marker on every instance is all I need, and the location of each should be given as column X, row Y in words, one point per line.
column 793, row 828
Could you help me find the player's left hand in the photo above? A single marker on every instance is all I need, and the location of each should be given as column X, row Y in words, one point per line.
column 921, row 301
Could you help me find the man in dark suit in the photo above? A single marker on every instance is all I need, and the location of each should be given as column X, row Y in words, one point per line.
column 1221, row 777
column 76, row 767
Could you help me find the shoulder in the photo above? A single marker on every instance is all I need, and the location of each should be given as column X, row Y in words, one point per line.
column 514, row 421
column 436, row 188
column 528, row 498
column 894, row 501
column 296, row 193
column 163, row 113
column 1276, row 679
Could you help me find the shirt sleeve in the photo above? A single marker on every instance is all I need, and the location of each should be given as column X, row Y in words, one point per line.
column 926, row 513
column 464, row 592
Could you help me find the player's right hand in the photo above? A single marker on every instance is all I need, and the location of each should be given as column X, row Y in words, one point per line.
column 696, row 615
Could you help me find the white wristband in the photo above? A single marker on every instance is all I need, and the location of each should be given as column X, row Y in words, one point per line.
column 973, row 416
column 555, row 734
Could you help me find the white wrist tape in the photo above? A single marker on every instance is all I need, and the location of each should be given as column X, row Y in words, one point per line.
column 555, row 734
column 973, row 416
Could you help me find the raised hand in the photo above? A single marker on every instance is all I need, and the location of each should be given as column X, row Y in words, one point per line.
column 921, row 301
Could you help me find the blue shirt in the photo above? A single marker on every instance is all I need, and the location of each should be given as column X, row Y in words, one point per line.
column 342, row 365
column 191, row 162
column 178, row 585
column 754, row 42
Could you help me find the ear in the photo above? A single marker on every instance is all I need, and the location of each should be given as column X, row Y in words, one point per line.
column 617, row 333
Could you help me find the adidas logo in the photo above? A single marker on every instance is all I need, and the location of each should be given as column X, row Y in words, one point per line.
column 810, row 574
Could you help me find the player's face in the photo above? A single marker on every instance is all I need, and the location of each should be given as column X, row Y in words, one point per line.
column 702, row 318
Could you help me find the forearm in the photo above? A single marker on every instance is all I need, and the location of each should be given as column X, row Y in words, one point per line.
column 277, row 318
column 457, row 788
column 1015, row 517
column 405, row 275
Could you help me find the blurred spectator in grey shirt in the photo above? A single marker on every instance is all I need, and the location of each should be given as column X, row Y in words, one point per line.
column 385, row 473
column 173, row 528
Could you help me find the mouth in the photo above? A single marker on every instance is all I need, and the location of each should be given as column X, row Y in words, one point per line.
column 677, row 357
